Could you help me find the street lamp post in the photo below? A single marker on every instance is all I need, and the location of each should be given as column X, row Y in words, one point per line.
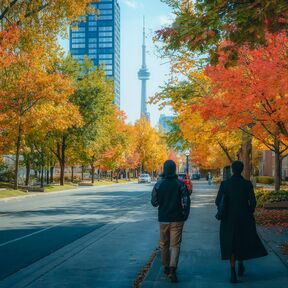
column 187, row 153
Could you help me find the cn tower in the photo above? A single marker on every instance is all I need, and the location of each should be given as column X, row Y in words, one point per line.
column 143, row 76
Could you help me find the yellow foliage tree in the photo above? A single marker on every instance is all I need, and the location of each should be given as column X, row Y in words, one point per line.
column 150, row 146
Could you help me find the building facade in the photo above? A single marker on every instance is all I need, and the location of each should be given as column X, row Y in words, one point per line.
column 267, row 165
column 98, row 37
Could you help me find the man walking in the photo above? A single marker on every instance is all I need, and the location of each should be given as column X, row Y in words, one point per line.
column 172, row 198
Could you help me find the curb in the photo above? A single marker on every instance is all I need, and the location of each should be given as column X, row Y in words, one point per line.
column 40, row 194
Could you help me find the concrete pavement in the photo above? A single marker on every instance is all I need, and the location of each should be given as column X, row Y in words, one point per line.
column 200, row 265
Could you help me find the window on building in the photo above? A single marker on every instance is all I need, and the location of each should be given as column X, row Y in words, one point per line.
column 92, row 40
column 92, row 23
column 105, row 6
column 92, row 51
column 106, row 17
column 105, row 56
column 78, row 40
column 92, row 45
column 106, row 12
column 109, row 39
column 105, row 45
column 78, row 45
column 105, row 61
column 108, row 67
column 92, row 18
column 77, row 34
column 105, row 28
column 93, row 28
column 105, row 34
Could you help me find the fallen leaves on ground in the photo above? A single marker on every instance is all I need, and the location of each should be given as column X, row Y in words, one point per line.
column 142, row 274
column 270, row 218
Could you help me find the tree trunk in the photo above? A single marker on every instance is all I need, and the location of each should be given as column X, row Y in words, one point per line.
column 72, row 174
column 52, row 174
column 93, row 173
column 62, row 160
column 82, row 172
column 277, row 175
column 47, row 176
column 42, row 177
column 18, row 144
column 28, row 169
column 62, row 168
column 245, row 155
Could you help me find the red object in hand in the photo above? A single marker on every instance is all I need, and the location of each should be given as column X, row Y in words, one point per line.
column 188, row 184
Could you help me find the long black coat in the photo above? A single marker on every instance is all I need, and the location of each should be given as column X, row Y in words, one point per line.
column 238, row 233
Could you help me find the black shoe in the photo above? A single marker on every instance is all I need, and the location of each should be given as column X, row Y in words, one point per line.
column 233, row 278
column 172, row 275
column 241, row 269
column 166, row 271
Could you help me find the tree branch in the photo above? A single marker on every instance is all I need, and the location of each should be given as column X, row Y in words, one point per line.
column 6, row 10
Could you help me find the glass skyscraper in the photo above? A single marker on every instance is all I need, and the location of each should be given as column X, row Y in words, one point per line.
column 99, row 38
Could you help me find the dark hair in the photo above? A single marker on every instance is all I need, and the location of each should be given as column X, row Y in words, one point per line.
column 169, row 168
column 237, row 167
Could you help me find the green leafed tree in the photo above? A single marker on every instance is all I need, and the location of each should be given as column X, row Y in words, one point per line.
column 201, row 25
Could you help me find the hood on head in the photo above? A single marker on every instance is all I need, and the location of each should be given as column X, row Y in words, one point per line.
column 169, row 168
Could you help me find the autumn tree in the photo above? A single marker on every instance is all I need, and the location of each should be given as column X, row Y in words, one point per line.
column 28, row 49
column 252, row 96
column 200, row 26
column 150, row 146
column 26, row 86
column 211, row 147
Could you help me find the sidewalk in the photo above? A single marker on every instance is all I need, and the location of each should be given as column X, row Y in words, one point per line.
column 200, row 264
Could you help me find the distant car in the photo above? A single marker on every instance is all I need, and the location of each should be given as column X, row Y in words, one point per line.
column 196, row 176
column 144, row 178
column 188, row 182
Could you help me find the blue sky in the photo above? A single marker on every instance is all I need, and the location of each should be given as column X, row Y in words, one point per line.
column 132, row 12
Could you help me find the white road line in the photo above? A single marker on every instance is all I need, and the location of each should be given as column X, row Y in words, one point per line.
column 50, row 227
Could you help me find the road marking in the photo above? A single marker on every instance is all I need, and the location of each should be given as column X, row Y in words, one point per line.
column 50, row 227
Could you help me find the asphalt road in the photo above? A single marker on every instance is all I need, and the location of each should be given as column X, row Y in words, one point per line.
column 34, row 227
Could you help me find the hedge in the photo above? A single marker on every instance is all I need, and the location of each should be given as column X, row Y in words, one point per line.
column 266, row 196
column 265, row 179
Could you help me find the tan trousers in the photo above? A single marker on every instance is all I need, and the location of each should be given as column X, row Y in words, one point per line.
column 170, row 239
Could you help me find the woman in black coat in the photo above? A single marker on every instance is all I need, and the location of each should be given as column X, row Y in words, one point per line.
column 238, row 236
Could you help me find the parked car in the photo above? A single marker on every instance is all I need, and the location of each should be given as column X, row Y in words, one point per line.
column 187, row 181
column 196, row 176
column 144, row 178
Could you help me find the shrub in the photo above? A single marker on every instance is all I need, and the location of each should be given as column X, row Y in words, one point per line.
column 217, row 179
column 266, row 196
column 265, row 179
column 6, row 174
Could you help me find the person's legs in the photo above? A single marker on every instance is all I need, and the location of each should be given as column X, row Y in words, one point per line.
column 164, row 246
column 241, row 268
column 175, row 243
column 233, row 278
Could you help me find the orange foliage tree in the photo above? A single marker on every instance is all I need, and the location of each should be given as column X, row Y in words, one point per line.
column 253, row 95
